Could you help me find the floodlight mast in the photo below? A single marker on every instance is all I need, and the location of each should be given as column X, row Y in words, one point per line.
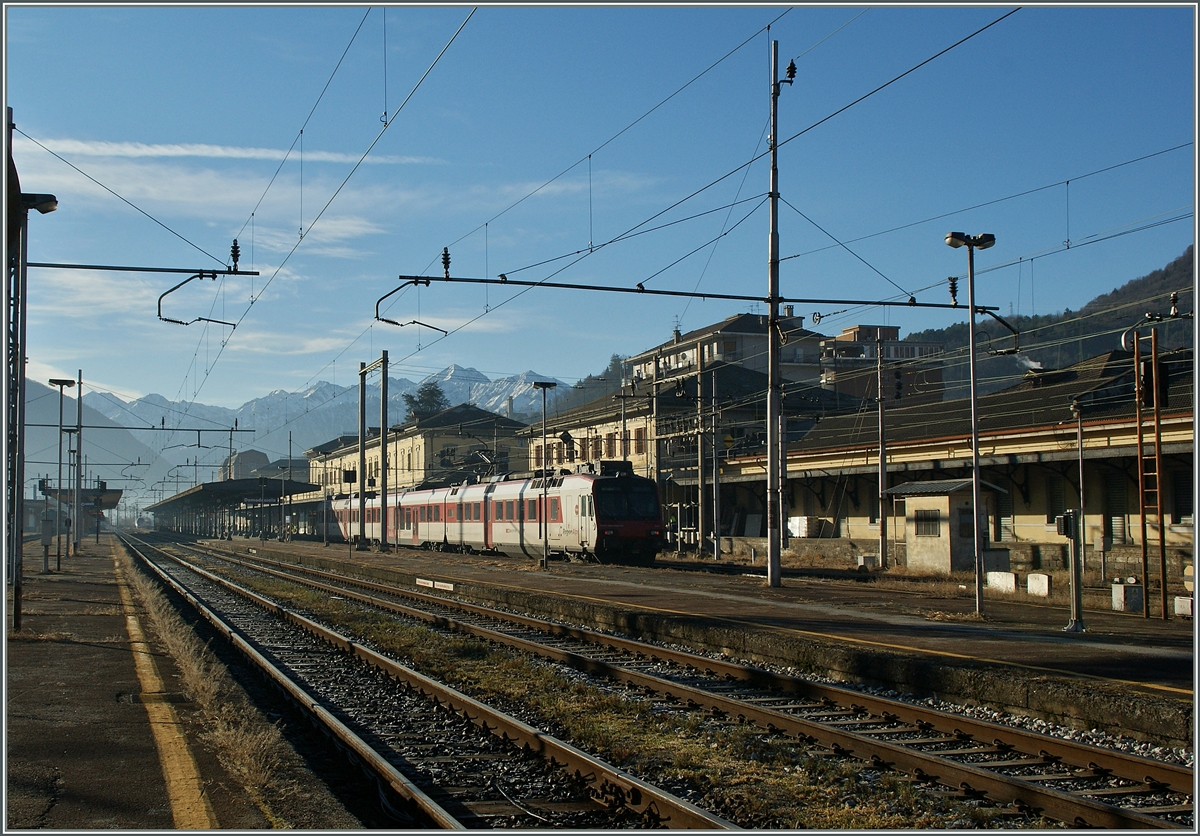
column 774, row 389
column 973, row 242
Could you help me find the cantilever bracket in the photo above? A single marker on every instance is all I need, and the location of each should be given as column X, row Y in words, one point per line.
column 1016, row 349
column 203, row 274
column 415, row 282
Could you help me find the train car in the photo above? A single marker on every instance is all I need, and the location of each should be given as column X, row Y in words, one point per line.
column 583, row 516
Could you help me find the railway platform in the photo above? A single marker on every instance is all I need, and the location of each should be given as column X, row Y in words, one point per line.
column 97, row 734
column 1123, row 673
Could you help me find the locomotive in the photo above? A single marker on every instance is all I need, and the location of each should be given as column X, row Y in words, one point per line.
column 610, row 517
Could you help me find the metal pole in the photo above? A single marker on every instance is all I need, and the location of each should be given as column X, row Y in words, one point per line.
column 976, row 491
column 291, row 516
column 783, row 503
column 1074, row 519
column 624, row 426
column 1075, row 408
column 774, row 573
column 78, row 486
column 716, row 474
column 383, row 457
column 545, row 517
column 58, row 493
column 883, row 550
column 700, row 527
column 362, row 457
column 14, row 391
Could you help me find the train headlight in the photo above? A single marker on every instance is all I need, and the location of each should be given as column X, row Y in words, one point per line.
column 656, row 533
column 609, row 533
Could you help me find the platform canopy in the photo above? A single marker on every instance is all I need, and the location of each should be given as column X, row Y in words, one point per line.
column 91, row 500
column 230, row 493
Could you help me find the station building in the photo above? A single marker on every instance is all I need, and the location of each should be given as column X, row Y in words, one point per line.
column 1030, row 459
column 665, row 427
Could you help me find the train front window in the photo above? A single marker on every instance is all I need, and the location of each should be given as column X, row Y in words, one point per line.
column 622, row 500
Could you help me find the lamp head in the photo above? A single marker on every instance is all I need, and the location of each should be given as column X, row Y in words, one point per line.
column 60, row 381
column 44, row 203
column 984, row 240
column 544, row 384
column 956, row 239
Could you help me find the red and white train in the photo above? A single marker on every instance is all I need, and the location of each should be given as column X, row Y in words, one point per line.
column 585, row 516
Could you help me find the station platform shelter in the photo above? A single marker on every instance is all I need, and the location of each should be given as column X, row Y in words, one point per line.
column 254, row 507
column 93, row 502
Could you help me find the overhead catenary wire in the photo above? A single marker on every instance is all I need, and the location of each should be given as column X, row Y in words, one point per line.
column 119, row 196
column 337, row 191
column 995, row 201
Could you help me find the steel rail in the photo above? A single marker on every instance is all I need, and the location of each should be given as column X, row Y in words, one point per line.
column 609, row 785
column 1024, row 794
column 342, row 733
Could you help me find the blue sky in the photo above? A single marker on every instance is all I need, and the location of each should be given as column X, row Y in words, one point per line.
column 187, row 113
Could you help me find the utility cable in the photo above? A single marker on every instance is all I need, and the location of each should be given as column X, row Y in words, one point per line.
column 119, row 197
column 844, row 247
column 996, row 201
column 337, row 191
column 313, row 110
column 618, row 134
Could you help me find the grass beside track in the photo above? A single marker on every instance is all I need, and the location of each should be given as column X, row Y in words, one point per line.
column 248, row 745
column 740, row 772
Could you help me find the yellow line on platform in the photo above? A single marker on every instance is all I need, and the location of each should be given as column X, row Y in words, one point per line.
column 190, row 807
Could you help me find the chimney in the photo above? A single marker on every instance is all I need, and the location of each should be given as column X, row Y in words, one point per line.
column 788, row 311
column 678, row 336
column 510, row 406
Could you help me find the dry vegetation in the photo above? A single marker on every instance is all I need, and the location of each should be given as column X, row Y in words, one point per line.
column 249, row 747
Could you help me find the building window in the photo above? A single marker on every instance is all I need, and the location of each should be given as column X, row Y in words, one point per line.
column 639, row 441
column 1055, row 503
column 1182, row 499
column 610, row 446
column 929, row 522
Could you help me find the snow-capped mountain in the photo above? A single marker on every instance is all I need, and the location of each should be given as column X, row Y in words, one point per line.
column 308, row 418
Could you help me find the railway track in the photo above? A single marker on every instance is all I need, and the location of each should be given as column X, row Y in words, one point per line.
column 455, row 762
column 1078, row 784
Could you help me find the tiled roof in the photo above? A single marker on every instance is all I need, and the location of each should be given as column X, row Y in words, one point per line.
column 1103, row 386
column 939, row 487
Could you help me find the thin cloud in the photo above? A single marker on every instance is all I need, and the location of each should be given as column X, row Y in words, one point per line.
column 141, row 150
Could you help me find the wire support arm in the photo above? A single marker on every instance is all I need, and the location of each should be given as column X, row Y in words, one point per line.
column 204, row 274
column 639, row 289
column 407, row 281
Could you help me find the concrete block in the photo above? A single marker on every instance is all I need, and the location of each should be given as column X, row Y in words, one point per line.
column 1183, row 605
column 1038, row 584
column 1002, row 581
column 868, row 561
column 1127, row 597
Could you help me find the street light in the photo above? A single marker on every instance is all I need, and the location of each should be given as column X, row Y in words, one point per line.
column 62, row 383
column 15, row 374
column 982, row 242
column 545, row 518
